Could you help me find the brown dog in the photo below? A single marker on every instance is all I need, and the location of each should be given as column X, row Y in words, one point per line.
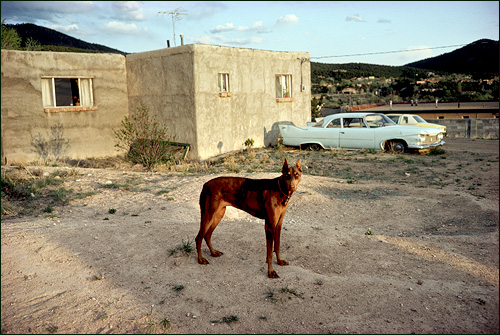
column 265, row 199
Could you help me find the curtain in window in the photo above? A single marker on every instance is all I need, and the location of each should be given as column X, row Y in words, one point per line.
column 279, row 87
column 47, row 96
column 85, row 92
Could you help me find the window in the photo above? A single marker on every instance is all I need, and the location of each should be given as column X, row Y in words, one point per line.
column 223, row 82
column 334, row 124
column 354, row 123
column 67, row 92
column 284, row 86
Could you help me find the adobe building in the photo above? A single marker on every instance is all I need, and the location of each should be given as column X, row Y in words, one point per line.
column 211, row 97
column 42, row 119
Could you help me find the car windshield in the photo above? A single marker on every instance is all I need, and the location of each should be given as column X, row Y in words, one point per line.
column 319, row 124
column 378, row 120
column 419, row 119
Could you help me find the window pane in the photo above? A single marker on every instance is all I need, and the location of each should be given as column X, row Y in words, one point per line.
column 64, row 95
column 223, row 82
column 283, row 86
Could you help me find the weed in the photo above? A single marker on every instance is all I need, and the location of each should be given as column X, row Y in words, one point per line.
column 177, row 287
column 270, row 295
column 368, row 232
column 112, row 211
column 437, row 151
column 291, row 291
column 229, row 318
column 61, row 194
column 165, row 323
column 186, row 247
column 96, row 277
column 48, row 209
column 52, row 329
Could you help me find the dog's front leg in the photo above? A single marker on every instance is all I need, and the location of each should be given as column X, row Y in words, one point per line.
column 269, row 239
column 277, row 237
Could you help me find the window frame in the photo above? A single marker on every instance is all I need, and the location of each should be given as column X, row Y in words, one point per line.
column 223, row 85
column 283, row 92
column 52, row 99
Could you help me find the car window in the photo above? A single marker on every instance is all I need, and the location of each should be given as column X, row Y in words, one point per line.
column 378, row 120
column 334, row 124
column 354, row 122
column 405, row 120
column 394, row 118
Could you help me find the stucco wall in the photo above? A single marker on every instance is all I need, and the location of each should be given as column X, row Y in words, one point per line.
column 88, row 133
column 163, row 81
column 224, row 123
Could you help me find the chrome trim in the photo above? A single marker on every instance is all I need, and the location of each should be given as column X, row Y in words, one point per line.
column 426, row 146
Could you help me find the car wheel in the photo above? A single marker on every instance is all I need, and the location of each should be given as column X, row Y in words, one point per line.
column 315, row 147
column 397, row 147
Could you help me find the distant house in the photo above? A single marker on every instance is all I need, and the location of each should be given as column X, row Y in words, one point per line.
column 214, row 98
column 349, row 90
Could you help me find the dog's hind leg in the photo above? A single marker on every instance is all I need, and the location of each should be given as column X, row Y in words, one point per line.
column 206, row 218
column 216, row 218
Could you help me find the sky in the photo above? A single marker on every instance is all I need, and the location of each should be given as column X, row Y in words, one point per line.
column 374, row 32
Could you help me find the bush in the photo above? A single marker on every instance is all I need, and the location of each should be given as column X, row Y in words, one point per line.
column 145, row 138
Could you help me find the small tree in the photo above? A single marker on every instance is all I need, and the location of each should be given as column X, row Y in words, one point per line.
column 145, row 138
column 10, row 38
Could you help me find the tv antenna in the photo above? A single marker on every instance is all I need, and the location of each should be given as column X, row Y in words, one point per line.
column 175, row 16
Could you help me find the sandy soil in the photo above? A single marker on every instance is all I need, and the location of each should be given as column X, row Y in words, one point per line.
column 385, row 244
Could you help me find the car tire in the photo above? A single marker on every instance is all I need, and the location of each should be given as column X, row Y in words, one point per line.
column 397, row 147
column 315, row 147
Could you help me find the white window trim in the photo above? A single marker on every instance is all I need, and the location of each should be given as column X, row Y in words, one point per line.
column 285, row 78
column 53, row 89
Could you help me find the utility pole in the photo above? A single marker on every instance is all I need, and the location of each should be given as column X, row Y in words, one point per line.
column 175, row 16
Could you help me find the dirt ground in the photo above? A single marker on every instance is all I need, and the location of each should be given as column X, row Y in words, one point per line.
column 377, row 243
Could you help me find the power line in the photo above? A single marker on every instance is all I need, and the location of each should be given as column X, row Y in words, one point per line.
column 390, row 52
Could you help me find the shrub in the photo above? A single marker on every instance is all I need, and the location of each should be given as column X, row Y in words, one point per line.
column 145, row 138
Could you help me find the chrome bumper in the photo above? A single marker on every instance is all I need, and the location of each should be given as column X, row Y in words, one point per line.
column 427, row 146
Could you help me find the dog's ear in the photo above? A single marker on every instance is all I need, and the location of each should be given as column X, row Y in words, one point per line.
column 298, row 165
column 285, row 167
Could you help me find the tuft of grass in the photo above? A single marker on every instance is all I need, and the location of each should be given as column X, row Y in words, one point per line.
column 112, row 211
column 52, row 329
column 177, row 287
column 186, row 247
column 229, row 318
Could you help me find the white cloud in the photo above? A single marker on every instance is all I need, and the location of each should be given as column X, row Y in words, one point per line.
column 128, row 10
column 383, row 21
column 223, row 28
column 289, row 18
column 257, row 26
column 354, row 18
column 123, row 28
column 221, row 39
column 72, row 28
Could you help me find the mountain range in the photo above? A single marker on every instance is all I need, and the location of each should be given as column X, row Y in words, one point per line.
column 479, row 58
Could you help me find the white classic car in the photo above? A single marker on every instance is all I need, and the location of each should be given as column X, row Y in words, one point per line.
column 413, row 120
column 361, row 131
